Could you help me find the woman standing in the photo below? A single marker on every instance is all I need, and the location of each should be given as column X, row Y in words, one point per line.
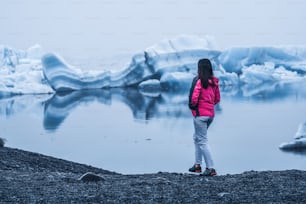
column 203, row 96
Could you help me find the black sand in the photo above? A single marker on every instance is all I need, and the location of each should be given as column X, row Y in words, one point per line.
column 27, row 177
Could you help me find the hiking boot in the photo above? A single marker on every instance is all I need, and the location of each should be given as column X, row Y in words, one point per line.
column 196, row 168
column 209, row 172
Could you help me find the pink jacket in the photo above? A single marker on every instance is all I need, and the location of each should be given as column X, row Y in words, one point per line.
column 205, row 99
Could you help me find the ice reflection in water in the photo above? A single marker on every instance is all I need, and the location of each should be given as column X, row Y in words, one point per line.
column 246, row 120
column 163, row 105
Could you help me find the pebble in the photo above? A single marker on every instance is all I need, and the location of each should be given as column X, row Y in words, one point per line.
column 91, row 177
column 222, row 194
column 2, row 141
column 51, row 180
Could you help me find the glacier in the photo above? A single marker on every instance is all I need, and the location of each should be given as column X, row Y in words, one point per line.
column 167, row 65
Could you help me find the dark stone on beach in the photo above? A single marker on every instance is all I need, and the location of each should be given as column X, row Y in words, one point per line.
column 27, row 177
column 2, row 141
column 91, row 177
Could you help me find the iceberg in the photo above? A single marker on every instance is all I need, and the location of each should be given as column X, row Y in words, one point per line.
column 301, row 132
column 299, row 142
column 63, row 77
column 21, row 72
column 234, row 59
column 170, row 64
column 169, row 56
column 176, row 81
column 174, row 62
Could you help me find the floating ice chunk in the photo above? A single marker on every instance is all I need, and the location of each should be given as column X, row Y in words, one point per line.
column 234, row 59
column 226, row 78
column 151, row 88
column 180, row 54
column 63, row 77
column 299, row 67
column 301, row 132
column 136, row 72
column 176, row 80
column 299, row 142
column 150, row 85
column 257, row 74
column 183, row 43
column 177, row 55
column 27, row 78
column 21, row 71
column 10, row 57
column 150, row 93
column 35, row 52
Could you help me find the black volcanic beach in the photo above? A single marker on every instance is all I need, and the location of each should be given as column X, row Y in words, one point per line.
column 28, row 177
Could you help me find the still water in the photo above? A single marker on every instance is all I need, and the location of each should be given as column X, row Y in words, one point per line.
column 127, row 131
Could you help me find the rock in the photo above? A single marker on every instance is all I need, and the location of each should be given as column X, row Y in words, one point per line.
column 2, row 142
column 222, row 194
column 91, row 177
column 51, row 180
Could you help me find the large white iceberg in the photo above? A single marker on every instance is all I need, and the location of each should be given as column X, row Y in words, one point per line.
column 171, row 62
column 169, row 56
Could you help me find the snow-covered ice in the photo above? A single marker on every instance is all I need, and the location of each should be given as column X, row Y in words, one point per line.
column 172, row 62
column 21, row 71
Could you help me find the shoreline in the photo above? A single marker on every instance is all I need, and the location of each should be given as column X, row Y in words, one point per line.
column 28, row 177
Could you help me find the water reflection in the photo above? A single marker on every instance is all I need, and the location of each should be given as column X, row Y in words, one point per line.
column 266, row 91
column 57, row 108
column 18, row 104
column 301, row 152
column 144, row 106
column 64, row 123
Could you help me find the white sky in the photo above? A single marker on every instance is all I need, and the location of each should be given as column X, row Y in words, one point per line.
column 112, row 27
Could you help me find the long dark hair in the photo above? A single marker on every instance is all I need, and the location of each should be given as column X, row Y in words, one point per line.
column 205, row 72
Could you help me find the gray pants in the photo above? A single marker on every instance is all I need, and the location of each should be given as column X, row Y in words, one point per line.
column 201, row 124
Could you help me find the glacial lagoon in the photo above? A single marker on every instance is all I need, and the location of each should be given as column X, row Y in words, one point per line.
column 128, row 131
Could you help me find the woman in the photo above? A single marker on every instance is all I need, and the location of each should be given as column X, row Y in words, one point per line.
column 204, row 95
